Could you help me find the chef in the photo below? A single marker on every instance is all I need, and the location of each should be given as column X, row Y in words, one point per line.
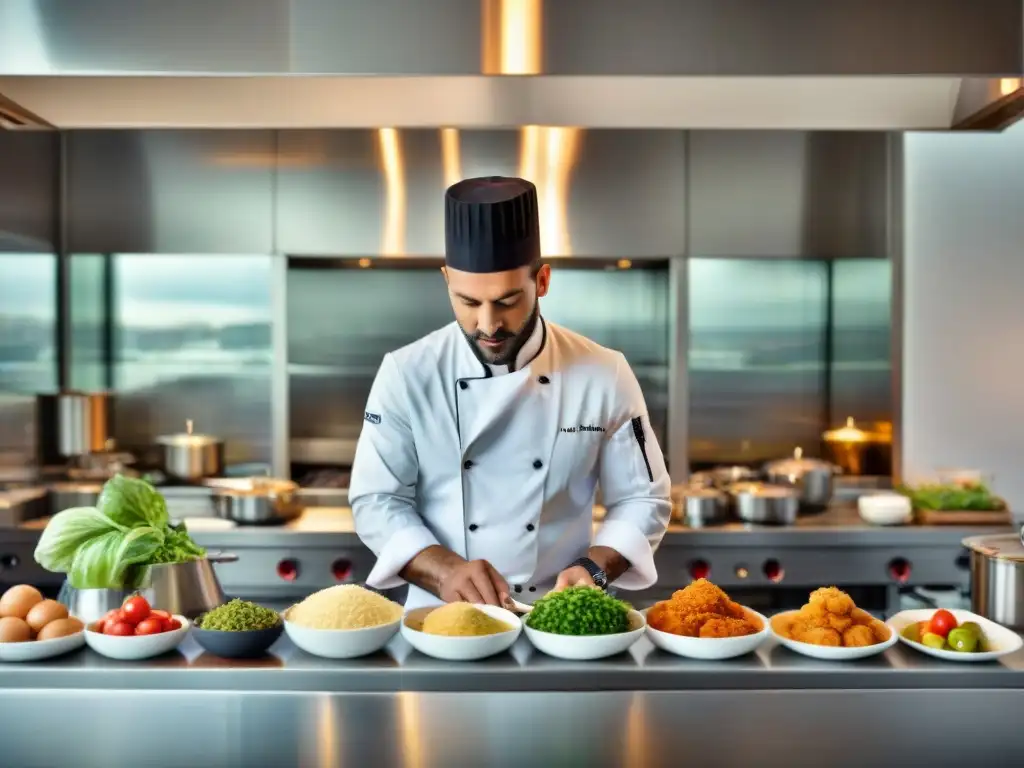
column 483, row 442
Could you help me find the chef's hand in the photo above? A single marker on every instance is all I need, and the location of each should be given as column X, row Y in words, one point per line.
column 576, row 576
column 476, row 581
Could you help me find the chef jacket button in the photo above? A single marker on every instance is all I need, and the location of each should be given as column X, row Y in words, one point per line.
column 529, row 526
column 518, row 588
column 467, row 464
column 544, row 380
column 473, row 527
column 463, row 384
column 533, row 589
column 537, row 463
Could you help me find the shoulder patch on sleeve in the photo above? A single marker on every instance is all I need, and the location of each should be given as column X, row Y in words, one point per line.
column 373, row 418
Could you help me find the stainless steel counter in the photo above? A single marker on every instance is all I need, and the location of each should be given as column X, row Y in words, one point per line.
column 523, row 668
column 398, row 708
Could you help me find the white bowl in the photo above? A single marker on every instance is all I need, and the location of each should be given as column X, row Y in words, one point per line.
column 137, row 647
column 587, row 647
column 461, row 648
column 1000, row 640
column 885, row 508
column 832, row 653
column 340, row 643
column 36, row 650
column 711, row 648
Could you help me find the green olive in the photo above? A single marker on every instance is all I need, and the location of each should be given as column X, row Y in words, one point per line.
column 933, row 641
column 962, row 640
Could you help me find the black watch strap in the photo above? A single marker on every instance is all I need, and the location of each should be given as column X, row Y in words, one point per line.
column 596, row 572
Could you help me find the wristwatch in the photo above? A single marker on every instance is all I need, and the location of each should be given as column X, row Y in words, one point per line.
column 596, row 572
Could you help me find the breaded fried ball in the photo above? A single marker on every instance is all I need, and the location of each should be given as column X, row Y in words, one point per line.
column 879, row 630
column 817, row 636
column 857, row 636
column 833, row 599
column 860, row 616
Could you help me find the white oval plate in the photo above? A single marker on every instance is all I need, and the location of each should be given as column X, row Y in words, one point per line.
column 1000, row 640
column 832, row 653
column 461, row 648
column 711, row 648
column 587, row 647
column 340, row 643
column 37, row 650
column 137, row 647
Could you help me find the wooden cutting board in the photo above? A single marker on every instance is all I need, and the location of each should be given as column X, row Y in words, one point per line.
column 966, row 517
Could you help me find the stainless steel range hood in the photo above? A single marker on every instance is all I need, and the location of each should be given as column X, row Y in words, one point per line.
column 785, row 64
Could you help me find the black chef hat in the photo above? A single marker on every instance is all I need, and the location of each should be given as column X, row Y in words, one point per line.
column 491, row 224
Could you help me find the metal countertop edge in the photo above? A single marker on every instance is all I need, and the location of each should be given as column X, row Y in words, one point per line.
column 483, row 682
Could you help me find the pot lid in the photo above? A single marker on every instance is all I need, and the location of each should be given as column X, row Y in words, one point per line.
column 798, row 465
column 1001, row 546
column 851, row 433
column 188, row 438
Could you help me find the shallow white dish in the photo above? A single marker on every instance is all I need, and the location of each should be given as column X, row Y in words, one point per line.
column 461, row 648
column 831, row 653
column 885, row 509
column 340, row 643
column 137, row 647
column 587, row 647
column 1000, row 640
column 711, row 648
column 37, row 650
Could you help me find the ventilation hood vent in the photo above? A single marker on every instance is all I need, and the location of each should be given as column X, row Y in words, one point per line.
column 787, row 64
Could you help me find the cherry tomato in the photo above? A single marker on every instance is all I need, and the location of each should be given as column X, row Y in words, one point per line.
column 121, row 628
column 173, row 624
column 135, row 609
column 162, row 614
column 99, row 625
column 114, row 615
column 150, row 626
column 941, row 623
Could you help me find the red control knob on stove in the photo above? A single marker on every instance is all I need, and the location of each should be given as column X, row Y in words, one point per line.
column 341, row 569
column 699, row 569
column 288, row 570
column 899, row 570
column 773, row 571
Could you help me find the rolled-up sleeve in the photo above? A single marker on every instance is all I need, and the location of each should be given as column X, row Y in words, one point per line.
column 635, row 485
column 382, row 491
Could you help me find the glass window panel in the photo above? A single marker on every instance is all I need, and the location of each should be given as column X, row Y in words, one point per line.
column 28, row 360
column 88, row 321
column 756, row 358
column 193, row 341
column 861, row 342
column 342, row 322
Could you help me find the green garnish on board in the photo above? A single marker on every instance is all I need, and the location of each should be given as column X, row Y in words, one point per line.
column 953, row 497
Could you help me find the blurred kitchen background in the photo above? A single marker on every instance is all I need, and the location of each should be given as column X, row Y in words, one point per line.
column 746, row 276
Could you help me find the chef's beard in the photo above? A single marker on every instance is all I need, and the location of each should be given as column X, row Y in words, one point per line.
column 513, row 341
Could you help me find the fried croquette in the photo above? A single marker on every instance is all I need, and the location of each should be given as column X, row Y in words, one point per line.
column 857, row 636
column 831, row 618
column 701, row 610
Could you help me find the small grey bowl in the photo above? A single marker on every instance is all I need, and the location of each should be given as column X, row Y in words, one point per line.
column 246, row 644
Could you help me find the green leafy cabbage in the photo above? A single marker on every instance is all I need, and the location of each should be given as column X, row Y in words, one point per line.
column 110, row 546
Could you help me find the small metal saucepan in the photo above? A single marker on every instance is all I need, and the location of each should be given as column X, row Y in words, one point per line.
column 191, row 457
column 997, row 577
column 765, row 504
column 812, row 478
column 698, row 506
column 256, row 501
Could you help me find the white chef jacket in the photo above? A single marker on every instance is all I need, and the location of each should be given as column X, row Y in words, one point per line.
column 503, row 465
